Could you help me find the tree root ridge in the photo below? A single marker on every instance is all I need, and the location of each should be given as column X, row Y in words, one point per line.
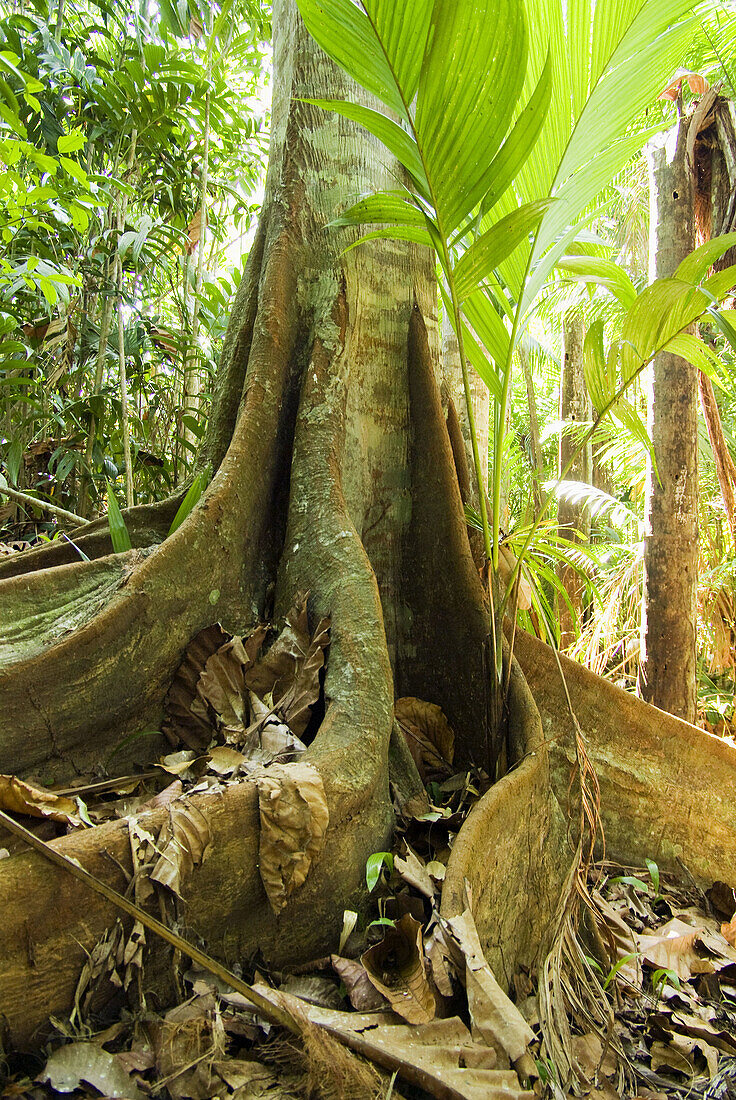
column 440, row 582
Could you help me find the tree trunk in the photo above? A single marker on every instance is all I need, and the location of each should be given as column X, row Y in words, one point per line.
column 668, row 625
column 334, row 475
column 572, row 517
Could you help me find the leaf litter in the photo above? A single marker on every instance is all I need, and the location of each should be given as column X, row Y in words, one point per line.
column 405, row 989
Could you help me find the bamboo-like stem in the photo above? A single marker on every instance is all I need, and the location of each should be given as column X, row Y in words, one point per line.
column 124, row 417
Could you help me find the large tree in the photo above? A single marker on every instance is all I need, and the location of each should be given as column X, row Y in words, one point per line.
column 333, row 473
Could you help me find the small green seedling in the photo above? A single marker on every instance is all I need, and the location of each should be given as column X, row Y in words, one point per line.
column 611, row 975
column 663, row 977
column 373, row 867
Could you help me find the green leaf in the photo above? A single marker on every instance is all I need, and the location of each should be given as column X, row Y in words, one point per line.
column 118, row 531
column 495, row 245
column 689, row 347
column 396, row 139
column 402, row 29
column 373, row 867
column 397, row 233
column 381, row 208
column 69, row 143
column 346, row 35
column 471, row 79
column 193, row 494
column 614, row 971
column 696, row 266
column 74, row 169
column 661, row 311
column 513, row 154
column 603, row 272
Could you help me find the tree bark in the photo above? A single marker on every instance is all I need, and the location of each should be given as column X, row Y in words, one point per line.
column 667, row 675
column 572, row 517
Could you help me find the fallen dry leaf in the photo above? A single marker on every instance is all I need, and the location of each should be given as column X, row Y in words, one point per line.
column 276, row 669
column 397, row 969
column 294, row 819
column 429, row 737
column 183, row 844
column 413, row 871
column 588, row 1052
column 673, row 948
column 728, row 931
column 439, row 1057
column 494, row 1016
column 296, row 702
column 672, row 1056
column 440, row 964
column 17, row 797
column 187, row 1043
column 363, row 995
column 70, row 1065
column 620, row 942
column 180, row 724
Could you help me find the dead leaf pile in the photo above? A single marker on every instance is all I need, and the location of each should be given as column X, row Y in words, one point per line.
column 663, row 952
column 242, row 706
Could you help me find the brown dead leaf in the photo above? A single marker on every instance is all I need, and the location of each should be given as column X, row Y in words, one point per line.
column 620, row 942
column 728, row 931
column 440, row 961
column 183, row 843
column 17, row 797
column 180, row 724
column 674, row 1056
column 396, row 967
column 276, row 670
column 187, row 1044
column 413, row 871
column 722, row 899
column 294, row 819
column 268, row 740
column 494, row 1016
column 363, row 995
column 698, row 84
column 439, row 1057
column 194, row 229
column 588, row 1052
column 674, row 948
column 220, row 686
column 225, row 760
column 296, row 702
column 429, row 737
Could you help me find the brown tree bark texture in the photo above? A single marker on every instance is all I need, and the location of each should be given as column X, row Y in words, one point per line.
column 668, row 625
column 668, row 789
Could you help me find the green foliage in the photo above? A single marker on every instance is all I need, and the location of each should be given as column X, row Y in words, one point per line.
column 102, row 139
column 118, row 531
column 375, row 865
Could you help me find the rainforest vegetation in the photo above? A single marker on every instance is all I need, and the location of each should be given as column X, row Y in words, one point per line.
column 348, row 353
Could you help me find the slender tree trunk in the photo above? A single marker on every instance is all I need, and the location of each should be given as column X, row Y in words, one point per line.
column 572, row 518
column 535, row 445
column 193, row 373
column 667, row 675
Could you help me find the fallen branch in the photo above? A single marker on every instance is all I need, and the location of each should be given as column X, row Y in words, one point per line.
column 270, row 1011
column 26, row 498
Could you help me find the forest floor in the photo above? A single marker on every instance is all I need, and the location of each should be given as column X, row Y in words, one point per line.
column 405, row 989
